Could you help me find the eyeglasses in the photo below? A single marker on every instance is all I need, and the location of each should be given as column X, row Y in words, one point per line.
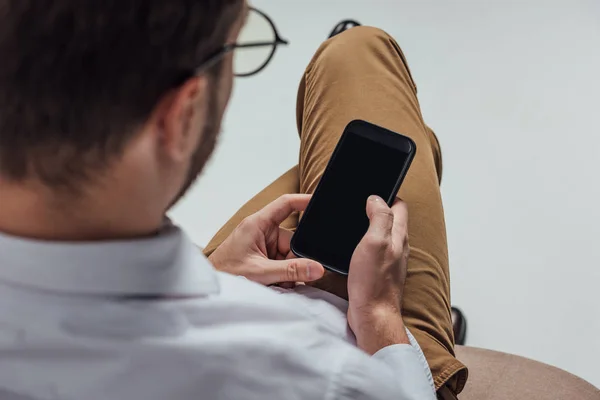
column 256, row 46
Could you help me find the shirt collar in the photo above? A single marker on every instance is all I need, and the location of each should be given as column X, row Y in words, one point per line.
column 167, row 264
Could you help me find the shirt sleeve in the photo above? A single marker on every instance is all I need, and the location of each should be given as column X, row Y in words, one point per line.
column 396, row 372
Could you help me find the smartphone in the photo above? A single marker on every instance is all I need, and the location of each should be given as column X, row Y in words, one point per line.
column 368, row 160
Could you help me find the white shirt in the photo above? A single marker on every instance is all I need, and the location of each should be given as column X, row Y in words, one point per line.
column 151, row 319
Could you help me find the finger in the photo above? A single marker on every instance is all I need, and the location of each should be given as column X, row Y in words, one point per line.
column 284, row 240
column 294, row 270
column 278, row 211
column 381, row 218
column 400, row 228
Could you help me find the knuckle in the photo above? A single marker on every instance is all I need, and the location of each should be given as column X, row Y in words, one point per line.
column 402, row 208
column 292, row 272
column 401, row 247
column 402, row 231
column 405, row 250
column 286, row 198
column 401, row 252
column 383, row 212
column 376, row 242
column 246, row 223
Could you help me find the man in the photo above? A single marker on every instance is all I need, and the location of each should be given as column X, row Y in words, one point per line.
column 108, row 112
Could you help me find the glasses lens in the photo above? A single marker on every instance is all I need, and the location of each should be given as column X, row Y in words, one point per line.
column 258, row 30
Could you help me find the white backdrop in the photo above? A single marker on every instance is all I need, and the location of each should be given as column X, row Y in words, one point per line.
column 513, row 91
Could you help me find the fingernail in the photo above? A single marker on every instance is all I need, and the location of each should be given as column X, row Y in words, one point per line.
column 314, row 271
column 373, row 198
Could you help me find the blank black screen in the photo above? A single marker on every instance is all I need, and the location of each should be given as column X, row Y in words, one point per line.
column 337, row 220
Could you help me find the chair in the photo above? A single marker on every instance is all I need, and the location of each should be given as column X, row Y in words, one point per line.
column 500, row 376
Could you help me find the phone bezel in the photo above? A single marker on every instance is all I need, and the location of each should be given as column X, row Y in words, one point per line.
column 372, row 132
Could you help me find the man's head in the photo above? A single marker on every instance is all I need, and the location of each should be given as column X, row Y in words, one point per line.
column 102, row 117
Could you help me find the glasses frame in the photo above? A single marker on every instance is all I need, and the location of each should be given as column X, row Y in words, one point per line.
column 219, row 54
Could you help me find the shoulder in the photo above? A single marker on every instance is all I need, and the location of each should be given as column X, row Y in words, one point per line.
column 242, row 361
column 247, row 342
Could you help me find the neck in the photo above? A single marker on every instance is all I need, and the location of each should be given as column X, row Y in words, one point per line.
column 32, row 210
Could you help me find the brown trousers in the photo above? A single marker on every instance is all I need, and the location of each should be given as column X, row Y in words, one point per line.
column 362, row 74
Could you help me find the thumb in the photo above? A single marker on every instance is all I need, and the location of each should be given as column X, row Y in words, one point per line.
column 380, row 216
column 293, row 270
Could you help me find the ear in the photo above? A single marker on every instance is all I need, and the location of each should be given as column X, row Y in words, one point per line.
column 179, row 117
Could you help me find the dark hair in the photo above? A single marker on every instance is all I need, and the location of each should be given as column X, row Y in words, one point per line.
column 78, row 77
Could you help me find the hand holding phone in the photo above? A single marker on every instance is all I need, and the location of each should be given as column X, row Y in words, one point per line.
column 259, row 249
column 377, row 275
column 368, row 160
